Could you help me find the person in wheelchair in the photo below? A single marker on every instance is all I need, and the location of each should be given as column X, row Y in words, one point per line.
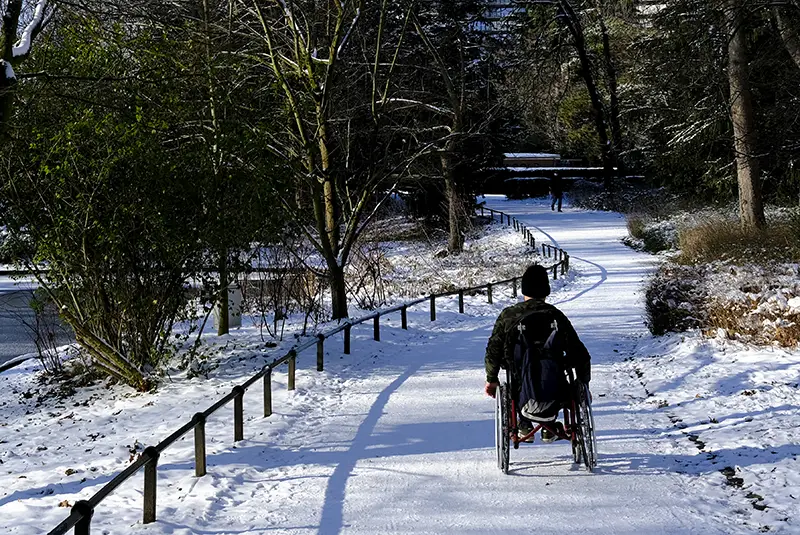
column 536, row 343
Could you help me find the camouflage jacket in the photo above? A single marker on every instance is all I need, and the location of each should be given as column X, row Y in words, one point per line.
column 500, row 348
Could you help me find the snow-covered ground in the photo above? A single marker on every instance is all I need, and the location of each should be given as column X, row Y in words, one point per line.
column 415, row 268
column 739, row 405
column 398, row 437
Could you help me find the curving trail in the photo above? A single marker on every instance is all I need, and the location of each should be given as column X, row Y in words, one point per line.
column 398, row 437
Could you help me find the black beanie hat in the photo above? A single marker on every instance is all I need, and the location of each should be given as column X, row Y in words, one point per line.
column 535, row 282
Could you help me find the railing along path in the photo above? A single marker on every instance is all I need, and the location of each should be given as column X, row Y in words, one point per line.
column 82, row 512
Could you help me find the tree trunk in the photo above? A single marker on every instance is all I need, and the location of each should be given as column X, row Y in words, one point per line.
column 331, row 213
column 751, row 209
column 455, row 207
column 222, row 324
column 788, row 35
column 573, row 24
column 6, row 99
column 611, row 75
column 10, row 21
column 338, row 291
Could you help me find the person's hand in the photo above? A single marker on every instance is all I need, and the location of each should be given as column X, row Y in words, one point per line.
column 491, row 389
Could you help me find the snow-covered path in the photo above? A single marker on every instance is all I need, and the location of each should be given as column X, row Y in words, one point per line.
column 398, row 436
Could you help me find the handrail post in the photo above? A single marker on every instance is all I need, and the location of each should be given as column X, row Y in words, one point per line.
column 150, row 477
column 481, row 210
column 320, row 352
column 489, row 293
column 268, row 393
column 292, row 369
column 433, row 307
column 347, row 339
column 555, row 271
column 85, row 509
column 376, row 328
column 404, row 317
column 514, row 287
column 461, row 301
column 238, row 413
column 199, row 420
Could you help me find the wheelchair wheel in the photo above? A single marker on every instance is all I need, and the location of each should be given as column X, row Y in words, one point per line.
column 571, row 420
column 588, row 442
column 501, row 421
column 577, row 450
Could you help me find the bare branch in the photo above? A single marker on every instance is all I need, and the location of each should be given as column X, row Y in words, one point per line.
column 430, row 107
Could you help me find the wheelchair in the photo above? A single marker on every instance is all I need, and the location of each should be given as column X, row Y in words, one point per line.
column 578, row 422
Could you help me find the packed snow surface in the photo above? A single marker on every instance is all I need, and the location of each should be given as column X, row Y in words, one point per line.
column 398, row 436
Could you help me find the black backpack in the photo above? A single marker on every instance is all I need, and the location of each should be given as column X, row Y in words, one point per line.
column 539, row 360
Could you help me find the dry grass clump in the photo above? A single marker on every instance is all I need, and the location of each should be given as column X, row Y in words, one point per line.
column 636, row 226
column 748, row 321
column 720, row 239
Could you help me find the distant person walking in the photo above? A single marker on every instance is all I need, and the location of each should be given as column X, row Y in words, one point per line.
column 556, row 191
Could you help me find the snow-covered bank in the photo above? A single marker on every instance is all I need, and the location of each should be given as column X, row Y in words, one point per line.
column 416, row 268
column 739, row 405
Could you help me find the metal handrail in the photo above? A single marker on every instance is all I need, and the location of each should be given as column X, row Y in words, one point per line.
column 82, row 512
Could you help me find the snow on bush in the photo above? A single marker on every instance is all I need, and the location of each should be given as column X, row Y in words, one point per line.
column 752, row 303
column 651, row 235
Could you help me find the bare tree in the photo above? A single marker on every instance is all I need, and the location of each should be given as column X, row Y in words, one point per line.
column 570, row 19
column 332, row 63
column 454, row 123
